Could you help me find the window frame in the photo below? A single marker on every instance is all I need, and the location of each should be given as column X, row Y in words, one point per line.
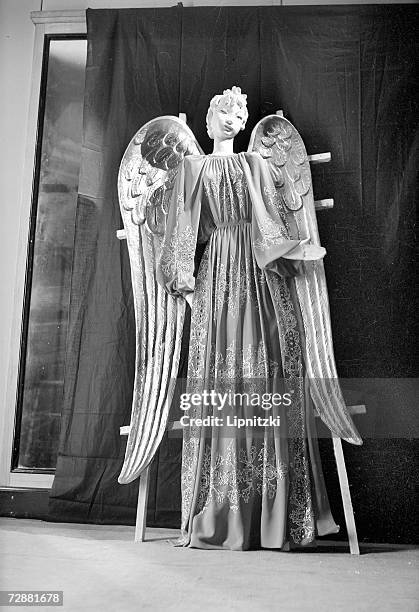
column 48, row 25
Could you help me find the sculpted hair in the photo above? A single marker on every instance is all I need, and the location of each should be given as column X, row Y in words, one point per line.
column 229, row 97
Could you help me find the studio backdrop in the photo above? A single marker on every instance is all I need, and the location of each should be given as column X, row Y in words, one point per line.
column 345, row 77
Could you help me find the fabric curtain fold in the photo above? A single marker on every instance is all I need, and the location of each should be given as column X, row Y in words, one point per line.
column 132, row 75
column 345, row 77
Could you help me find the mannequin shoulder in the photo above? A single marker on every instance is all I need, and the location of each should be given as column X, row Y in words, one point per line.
column 254, row 159
column 254, row 156
column 193, row 160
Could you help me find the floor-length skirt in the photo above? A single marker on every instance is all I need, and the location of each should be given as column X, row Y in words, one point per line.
column 253, row 477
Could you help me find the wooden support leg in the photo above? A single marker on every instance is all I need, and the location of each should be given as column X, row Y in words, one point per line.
column 140, row 522
column 346, row 496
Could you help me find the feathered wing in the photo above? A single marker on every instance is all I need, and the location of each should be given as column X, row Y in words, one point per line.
column 279, row 143
column 147, row 173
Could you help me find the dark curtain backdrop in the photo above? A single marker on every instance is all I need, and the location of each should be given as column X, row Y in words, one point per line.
column 345, row 76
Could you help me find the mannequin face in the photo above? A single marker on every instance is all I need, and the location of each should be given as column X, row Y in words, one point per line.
column 226, row 121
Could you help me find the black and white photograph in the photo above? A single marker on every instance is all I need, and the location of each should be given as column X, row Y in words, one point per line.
column 208, row 382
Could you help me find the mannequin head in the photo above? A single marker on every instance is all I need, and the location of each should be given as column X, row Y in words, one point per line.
column 227, row 114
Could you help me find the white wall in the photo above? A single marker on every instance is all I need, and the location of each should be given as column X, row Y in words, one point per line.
column 16, row 49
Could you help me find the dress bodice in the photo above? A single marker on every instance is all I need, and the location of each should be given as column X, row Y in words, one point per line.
column 226, row 194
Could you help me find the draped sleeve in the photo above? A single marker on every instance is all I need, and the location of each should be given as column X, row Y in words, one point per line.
column 176, row 265
column 273, row 246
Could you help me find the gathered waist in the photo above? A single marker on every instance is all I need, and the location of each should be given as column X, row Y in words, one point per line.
column 231, row 224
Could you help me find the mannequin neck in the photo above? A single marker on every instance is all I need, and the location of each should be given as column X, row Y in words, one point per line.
column 223, row 147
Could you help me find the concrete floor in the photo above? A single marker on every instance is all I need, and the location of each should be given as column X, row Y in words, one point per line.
column 100, row 568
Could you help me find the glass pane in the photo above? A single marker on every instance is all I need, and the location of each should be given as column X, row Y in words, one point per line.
column 43, row 374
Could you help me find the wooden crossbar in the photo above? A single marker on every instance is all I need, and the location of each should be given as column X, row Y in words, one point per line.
column 320, row 158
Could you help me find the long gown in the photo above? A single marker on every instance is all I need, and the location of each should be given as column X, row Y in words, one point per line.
column 261, row 484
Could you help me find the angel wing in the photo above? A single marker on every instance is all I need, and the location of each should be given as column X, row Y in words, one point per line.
column 146, row 177
column 279, row 143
